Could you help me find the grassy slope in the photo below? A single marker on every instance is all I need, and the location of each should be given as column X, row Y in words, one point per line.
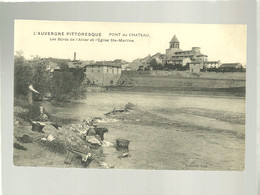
column 213, row 84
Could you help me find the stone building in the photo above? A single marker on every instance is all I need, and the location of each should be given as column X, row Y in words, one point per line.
column 146, row 63
column 103, row 74
column 183, row 61
column 212, row 64
column 231, row 66
column 176, row 56
column 158, row 57
column 195, row 66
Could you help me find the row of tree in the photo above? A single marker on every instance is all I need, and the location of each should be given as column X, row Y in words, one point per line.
column 61, row 85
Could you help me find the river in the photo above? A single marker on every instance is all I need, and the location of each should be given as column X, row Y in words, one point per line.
column 167, row 131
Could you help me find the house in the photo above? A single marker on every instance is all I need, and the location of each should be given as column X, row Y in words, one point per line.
column 103, row 74
column 212, row 64
column 182, row 61
column 149, row 61
column 141, row 64
column 158, row 58
column 54, row 63
column 145, row 61
column 195, row 66
column 124, row 64
column 125, row 67
column 52, row 66
column 140, row 68
column 231, row 66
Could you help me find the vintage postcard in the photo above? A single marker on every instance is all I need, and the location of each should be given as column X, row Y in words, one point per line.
column 129, row 95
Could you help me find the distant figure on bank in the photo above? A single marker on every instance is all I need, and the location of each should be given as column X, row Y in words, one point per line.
column 42, row 116
column 30, row 94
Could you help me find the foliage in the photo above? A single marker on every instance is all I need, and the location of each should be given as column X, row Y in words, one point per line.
column 27, row 72
column 155, row 65
column 63, row 66
column 66, row 83
column 31, row 112
column 41, row 77
column 212, row 70
column 62, row 85
column 34, row 112
column 22, row 74
column 169, row 66
column 232, row 69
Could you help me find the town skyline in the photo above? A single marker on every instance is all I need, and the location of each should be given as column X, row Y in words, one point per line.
column 226, row 43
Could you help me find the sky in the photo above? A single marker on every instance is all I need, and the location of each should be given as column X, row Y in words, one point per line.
column 226, row 43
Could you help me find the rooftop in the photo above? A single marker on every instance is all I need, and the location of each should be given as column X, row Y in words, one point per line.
column 210, row 62
column 195, row 62
column 230, row 65
column 104, row 64
column 174, row 39
column 184, row 51
column 158, row 55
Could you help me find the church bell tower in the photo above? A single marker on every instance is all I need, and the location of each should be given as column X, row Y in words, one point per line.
column 174, row 43
column 174, row 47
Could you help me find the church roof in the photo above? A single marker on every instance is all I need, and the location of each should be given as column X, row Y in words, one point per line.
column 174, row 39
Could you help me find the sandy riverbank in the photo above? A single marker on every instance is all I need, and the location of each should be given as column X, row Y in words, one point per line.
column 166, row 131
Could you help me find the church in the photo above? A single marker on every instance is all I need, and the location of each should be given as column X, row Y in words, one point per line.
column 176, row 56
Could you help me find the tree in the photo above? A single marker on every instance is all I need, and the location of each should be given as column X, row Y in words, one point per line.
column 67, row 83
column 155, row 65
column 62, row 85
column 27, row 72
column 41, row 76
column 23, row 74
column 64, row 66
column 169, row 66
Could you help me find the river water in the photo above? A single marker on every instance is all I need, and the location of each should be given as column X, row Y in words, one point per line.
column 166, row 131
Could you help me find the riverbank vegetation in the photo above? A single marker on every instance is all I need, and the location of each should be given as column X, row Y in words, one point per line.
column 63, row 84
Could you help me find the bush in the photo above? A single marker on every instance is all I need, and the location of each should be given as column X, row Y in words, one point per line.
column 23, row 74
column 63, row 85
column 155, row 65
column 67, row 84
column 34, row 112
column 27, row 72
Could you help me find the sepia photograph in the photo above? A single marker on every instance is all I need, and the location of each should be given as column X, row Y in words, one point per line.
column 153, row 96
